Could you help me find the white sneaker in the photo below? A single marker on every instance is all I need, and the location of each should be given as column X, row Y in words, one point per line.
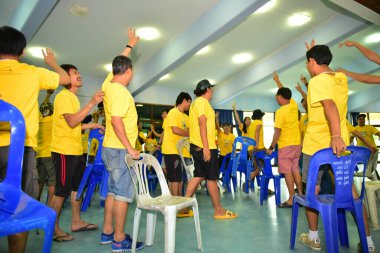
column 312, row 244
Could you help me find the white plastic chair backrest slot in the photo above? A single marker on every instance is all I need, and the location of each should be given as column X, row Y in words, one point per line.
column 185, row 143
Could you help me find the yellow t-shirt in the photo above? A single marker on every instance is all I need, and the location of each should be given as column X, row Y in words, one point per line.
column 119, row 102
column 138, row 145
column 287, row 120
column 175, row 118
column 66, row 140
column 241, row 129
column 94, row 145
column 44, row 137
column 85, row 142
column 367, row 131
column 225, row 142
column 199, row 107
column 251, row 133
column 150, row 145
column 322, row 87
column 20, row 84
column 303, row 126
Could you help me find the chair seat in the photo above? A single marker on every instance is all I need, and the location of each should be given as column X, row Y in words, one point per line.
column 159, row 203
column 327, row 199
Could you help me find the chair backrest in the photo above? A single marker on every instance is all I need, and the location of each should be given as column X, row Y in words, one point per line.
column 267, row 168
column 242, row 156
column 97, row 134
column 224, row 163
column 9, row 113
column 343, row 169
column 185, row 143
column 140, row 177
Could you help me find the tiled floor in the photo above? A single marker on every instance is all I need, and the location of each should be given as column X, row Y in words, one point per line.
column 257, row 229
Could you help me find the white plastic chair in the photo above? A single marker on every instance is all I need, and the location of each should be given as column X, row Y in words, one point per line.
column 370, row 189
column 184, row 143
column 167, row 204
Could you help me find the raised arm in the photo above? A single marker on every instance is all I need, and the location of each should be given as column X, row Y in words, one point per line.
column 238, row 120
column 133, row 40
column 304, row 81
column 154, row 131
column 300, row 90
column 48, row 95
column 51, row 61
column 364, row 78
column 371, row 55
column 217, row 124
column 276, row 78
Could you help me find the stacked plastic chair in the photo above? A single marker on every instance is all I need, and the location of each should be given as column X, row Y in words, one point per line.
column 94, row 174
column 18, row 211
column 267, row 175
column 332, row 208
column 167, row 204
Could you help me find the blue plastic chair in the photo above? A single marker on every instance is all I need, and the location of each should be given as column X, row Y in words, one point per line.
column 18, row 211
column 267, row 175
column 94, row 174
column 240, row 161
column 333, row 207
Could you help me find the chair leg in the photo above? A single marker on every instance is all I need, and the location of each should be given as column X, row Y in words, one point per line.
column 277, row 190
column 49, row 231
column 342, row 228
column 197, row 226
column 84, row 181
column 170, row 223
column 151, row 218
column 358, row 216
column 89, row 193
column 329, row 217
column 262, row 187
column 293, row 228
column 136, row 225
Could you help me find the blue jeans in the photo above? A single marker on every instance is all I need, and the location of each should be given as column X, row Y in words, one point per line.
column 120, row 183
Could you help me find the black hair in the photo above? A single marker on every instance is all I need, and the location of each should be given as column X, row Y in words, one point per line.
column 165, row 110
column 244, row 125
column 284, row 92
column 257, row 114
column 67, row 67
column 362, row 115
column 320, row 53
column 199, row 92
column 12, row 41
column 101, row 105
column 120, row 64
column 181, row 97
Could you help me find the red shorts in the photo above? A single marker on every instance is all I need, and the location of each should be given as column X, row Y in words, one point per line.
column 288, row 158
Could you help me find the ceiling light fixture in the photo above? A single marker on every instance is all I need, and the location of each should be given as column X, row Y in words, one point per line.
column 203, row 50
column 148, row 33
column 274, row 90
column 165, row 77
column 242, row 58
column 139, row 105
column 373, row 38
column 78, row 10
column 108, row 67
column 36, row 52
column 299, row 19
column 212, row 81
column 266, row 7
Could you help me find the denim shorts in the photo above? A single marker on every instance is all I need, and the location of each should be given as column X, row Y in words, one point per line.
column 120, row 183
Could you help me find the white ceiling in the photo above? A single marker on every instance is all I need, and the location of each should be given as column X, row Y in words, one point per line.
column 228, row 27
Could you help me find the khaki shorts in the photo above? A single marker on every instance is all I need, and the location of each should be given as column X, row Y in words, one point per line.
column 46, row 171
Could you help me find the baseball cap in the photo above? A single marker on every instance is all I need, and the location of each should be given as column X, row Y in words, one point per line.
column 204, row 84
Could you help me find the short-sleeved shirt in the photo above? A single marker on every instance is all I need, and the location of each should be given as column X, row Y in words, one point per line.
column 85, row 142
column 287, row 120
column 150, row 144
column 225, row 142
column 251, row 133
column 323, row 87
column 44, row 137
column 199, row 107
column 141, row 136
column 66, row 140
column 94, row 145
column 242, row 132
column 20, row 84
column 367, row 131
column 119, row 102
column 175, row 118
column 303, row 125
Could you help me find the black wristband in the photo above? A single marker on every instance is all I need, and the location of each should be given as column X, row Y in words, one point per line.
column 129, row 46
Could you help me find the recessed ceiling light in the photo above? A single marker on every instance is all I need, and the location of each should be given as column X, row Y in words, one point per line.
column 242, row 58
column 139, row 105
column 274, row 90
column 78, row 10
column 203, row 50
column 266, row 7
column 148, row 33
column 164, row 77
column 36, row 52
column 373, row 38
column 299, row 19
column 108, row 67
column 212, row 81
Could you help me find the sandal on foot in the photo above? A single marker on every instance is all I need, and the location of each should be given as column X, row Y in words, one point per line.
column 63, row 238
column 227, row 215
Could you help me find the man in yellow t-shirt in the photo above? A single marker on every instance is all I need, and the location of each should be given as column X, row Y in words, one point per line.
column 45, row 166
column 20, row 84
column 67, row 151
column 176, row 128
column 225, row 139
column 119, row 140
column 327, row 108
column 150, row 143
column 287, row 136
column 203, row 148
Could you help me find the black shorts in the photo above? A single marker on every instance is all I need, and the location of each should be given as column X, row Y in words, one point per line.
column 173, row 167
column 69, row 171
column 207, row 170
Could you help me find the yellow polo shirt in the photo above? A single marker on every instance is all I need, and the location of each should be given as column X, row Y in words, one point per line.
column 44, row 136
column 241, row 129
column 287, row 120
column 199, row 107
column 322, row 87
column 119, row 102
column 367, row 131
column 251, row 133
column 20, row 84
column 66, row 140
column 150, row 145
column 175, row 118
column 225, row 142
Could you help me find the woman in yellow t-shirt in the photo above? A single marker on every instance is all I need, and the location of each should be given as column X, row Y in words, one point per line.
column 243, row 126
column 150, row 143
column 140, row 138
